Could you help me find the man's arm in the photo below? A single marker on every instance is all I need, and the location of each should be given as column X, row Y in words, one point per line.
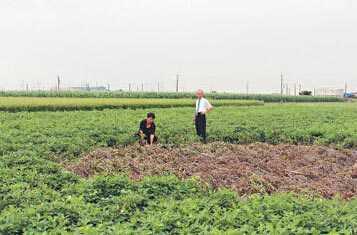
column 152, row 137
column 152, row 134
column 153, row 128
column 209, row 107
column 141, row 128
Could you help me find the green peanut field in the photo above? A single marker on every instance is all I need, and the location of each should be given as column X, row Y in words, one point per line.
column 18, row 104
column 39, row 196
column 269, row 98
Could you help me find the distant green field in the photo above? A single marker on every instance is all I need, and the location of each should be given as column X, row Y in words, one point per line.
column 17, row 104
column 172, row 95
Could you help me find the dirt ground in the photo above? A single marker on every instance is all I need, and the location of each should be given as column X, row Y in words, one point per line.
column 247, row 169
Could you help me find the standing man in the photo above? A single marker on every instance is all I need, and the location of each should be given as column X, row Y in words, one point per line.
column 202, row 107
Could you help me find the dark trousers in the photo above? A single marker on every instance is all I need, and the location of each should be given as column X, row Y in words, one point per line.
column 147, row 139
column 200, row 123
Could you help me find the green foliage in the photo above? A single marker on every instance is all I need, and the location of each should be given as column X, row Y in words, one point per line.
column 170, row 95
column 305, row 93
column 166, row 205
column 68, row 134
column 38, row 196
column 19, row 104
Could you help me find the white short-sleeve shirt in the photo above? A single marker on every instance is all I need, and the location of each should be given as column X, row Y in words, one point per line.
column 202, row 105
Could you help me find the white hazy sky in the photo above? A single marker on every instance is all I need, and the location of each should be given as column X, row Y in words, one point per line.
column 214, row 44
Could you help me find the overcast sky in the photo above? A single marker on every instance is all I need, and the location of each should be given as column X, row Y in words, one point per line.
column 214, row 44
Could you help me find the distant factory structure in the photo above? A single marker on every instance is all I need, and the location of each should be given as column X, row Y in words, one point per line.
column 61, row 86
column 88, row 88
column 328, row 91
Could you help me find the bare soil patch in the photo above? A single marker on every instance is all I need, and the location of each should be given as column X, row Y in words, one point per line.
column 247, row 169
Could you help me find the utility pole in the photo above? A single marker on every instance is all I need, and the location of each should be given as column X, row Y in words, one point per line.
column 300, row 88
column 158, row 87
column 281, row 87
column 295, row 90
column 27, row 87
column 58, row 83
column 177, row 82
column 142, row 87
column 287, row 88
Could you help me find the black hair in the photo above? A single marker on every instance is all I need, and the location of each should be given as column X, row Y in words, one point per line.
column 151, row 115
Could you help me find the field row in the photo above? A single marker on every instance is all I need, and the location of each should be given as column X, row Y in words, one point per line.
column 18, row 104
column 37, row 195
column 72, row 133
column 171, row 95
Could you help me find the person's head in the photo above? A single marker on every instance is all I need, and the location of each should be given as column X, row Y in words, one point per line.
column 200, row 93
column 150, row 117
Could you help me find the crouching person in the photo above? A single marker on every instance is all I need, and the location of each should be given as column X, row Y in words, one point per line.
column 147, row 130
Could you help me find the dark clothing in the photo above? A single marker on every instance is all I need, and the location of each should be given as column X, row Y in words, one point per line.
column 147, row 139
column 148, row 131
column 200, row 123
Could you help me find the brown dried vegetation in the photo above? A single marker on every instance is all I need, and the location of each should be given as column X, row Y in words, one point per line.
column 247, row 169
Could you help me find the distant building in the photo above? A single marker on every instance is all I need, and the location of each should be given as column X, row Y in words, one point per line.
column 350, row 95
column 88, row 88
column 329, row 92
